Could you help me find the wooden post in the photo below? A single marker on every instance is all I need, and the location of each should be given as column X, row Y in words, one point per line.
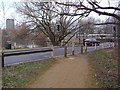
column 46, row 44
column 81, row 48
column 113, row 44
column 2, row 59
column 52, row 51
column 73, row 45
column 109, row 44
column 65, row 51
column 95, row 46
column 33, row 44
column 102, row 45
column 14, row 45
column 85, row 47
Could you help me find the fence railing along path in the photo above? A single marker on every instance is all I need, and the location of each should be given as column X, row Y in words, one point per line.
column 49, row 49
column 22, row 52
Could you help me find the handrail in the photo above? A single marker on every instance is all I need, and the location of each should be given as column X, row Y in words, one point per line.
column 22, row 52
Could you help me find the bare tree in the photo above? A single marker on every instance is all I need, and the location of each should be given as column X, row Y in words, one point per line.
column 44, row 16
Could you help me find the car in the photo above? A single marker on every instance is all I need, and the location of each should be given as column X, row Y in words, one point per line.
column 91, row 42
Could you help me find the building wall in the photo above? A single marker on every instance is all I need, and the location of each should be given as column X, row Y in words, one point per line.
column 9, row 23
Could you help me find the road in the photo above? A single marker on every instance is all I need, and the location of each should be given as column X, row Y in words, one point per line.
column 10, row 60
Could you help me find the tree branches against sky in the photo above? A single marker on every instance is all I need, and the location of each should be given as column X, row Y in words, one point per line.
column 8, row 11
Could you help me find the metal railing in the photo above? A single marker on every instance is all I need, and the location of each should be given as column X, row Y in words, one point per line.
column 52, row 49
column 23, row 52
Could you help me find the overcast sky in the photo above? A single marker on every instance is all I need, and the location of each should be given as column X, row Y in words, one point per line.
column 11, row 14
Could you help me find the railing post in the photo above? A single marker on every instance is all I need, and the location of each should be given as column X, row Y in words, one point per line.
column 33, row 44
column 73, row 45
column 52, row 51
column 14, row 45
column 95, row 46
column 65, row 51
column 102, row 45
column 109, row 44
column 113, row 44
column 2, row 59
column 81, row 48
column 85, row 47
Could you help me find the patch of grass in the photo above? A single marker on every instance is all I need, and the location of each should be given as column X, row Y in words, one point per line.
column 105, row 67
column 20, row 75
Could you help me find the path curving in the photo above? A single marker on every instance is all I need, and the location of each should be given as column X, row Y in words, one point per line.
column 72, row 72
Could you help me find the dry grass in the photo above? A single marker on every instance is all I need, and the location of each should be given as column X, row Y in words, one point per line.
column 105, row 66
column 20, row 75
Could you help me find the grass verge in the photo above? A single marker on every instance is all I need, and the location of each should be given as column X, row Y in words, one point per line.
column 20, row 75
column 105, row 67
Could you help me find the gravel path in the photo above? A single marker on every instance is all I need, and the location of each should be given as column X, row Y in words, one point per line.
column 72, row 72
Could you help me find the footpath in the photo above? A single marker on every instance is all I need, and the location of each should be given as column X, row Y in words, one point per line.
column 71, row 72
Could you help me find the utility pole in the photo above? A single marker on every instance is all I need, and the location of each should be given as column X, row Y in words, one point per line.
column 118, row 37
column 1, row 58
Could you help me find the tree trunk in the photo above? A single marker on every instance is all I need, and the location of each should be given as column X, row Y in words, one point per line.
column 56, row 43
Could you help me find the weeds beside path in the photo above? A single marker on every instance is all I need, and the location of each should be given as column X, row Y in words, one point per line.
column 105, row 67
column 71, row 72
column 20, row 75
